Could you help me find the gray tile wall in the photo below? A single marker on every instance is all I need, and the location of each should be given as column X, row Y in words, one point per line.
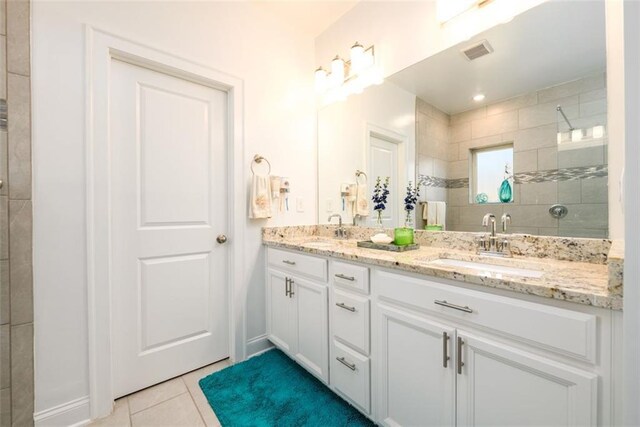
column 530, row 122
column 16, row 278
column 434, row 150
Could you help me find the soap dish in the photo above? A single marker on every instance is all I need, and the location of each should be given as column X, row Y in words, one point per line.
column 387, row 247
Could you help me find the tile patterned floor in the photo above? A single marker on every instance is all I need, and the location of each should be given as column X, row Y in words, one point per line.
column 176, row 403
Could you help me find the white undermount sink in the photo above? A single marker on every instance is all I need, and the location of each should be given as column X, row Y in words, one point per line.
column 489, row 270
column 319, row 244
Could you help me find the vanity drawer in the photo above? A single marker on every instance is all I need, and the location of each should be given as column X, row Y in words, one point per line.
column 305, row 265
column 568, row 332
column 354, row 277
column 350, row 375
column 350, row 319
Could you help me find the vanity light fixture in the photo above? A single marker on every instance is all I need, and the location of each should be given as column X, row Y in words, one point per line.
column 348, row 77
column 479, row 97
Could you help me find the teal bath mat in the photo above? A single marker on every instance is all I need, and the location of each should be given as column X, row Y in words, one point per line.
column 272, row 390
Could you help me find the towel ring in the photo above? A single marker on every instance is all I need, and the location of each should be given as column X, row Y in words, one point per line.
column 258, row 159
column 358, row 173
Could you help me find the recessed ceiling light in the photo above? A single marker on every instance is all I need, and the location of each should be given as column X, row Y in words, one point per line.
column 479, row 97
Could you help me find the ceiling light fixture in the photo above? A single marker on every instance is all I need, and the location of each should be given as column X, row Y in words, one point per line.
column 348, row 77
column 479, row 97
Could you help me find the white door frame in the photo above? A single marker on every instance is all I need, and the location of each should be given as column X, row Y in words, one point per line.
column 404, row 163
column 101, row 49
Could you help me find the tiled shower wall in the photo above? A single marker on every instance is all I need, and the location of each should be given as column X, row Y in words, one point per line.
column 16, row 296
column 544, row 176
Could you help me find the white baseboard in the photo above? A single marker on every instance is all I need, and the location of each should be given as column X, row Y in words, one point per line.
column 258, row 345
column 75, row 413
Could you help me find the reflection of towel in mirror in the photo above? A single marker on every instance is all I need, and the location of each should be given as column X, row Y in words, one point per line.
column 260, row 205
column 362, row 200
column 435, row 213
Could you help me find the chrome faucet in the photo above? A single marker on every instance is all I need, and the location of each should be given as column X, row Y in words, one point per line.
column 340, row 231
column 506, row 220
column 490, row 244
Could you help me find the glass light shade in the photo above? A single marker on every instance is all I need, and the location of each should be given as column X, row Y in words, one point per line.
column 321, row 80
column 598, row 131
column 357, row 58
column 576, row 135
column 337, row 70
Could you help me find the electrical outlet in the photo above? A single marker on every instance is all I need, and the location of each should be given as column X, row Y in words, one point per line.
column 299, row 204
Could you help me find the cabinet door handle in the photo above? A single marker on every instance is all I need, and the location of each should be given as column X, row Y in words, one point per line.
column 444, row 303
column 346, row 307
column 286, row 261
column 291, row 282
column 345, row 363
column 286, row 286
column 342, row 276
column 445, row 345
column 460, row 362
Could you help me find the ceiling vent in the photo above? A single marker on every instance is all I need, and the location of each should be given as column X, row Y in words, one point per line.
column 477, row 50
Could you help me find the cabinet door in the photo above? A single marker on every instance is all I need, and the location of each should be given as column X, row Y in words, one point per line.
column 416, row 377
column 503, row 386
column 280, row 312
column 311, row 326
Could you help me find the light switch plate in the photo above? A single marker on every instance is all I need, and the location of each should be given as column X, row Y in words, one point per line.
column 300, row 204
column 329, row 205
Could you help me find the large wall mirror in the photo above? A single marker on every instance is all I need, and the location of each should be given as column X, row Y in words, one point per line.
column 512, row 121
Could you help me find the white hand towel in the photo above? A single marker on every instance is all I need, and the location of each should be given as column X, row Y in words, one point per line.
column 260, row 197
column 425, row 208
column 432, row 218
column 362, row 200
column 441, row 214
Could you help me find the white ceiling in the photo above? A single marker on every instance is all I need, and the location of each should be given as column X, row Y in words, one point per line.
column 310, row 17
column 553, row 43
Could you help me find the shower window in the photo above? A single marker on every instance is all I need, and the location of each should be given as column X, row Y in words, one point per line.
column 489, row 168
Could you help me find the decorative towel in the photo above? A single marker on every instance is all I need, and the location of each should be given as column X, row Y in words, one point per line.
column 441, row 214
column 275, row 186
column 362, row 200
column 260, row 205
column 435, row 213
column 352, row 189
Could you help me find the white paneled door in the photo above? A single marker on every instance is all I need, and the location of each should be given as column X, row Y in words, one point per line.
column 383, row 158
column 168, row 205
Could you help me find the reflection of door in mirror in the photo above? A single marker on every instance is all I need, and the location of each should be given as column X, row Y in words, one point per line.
column 383, row 162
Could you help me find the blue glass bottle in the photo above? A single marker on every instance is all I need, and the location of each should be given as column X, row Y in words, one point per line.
column 505, row 194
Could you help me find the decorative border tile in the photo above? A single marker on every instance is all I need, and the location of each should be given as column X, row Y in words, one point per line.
column 565, row 174
column 434, row 181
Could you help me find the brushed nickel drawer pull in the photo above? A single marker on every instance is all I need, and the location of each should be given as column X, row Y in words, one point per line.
column 444, row 303
column 345, row 363
column 445, row 344
column 286, row 261
column 346, row 307
column 342, row 276
column 460, row 362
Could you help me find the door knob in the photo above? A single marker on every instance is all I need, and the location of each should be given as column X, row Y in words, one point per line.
column 221, row 238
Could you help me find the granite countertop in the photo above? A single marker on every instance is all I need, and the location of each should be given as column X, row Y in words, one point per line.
column 589, row 283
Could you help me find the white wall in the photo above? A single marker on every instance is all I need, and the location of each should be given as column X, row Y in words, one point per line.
column 237, row 38
column 342, row 141
column 631, row 327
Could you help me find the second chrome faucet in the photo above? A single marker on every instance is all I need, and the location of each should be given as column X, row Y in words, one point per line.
column 491, row 243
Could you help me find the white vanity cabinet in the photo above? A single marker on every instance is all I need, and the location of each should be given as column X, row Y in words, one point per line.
column 449, row 355
column 350, row 328
column 297, row 319
column 500, row 385
column 412, row 350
